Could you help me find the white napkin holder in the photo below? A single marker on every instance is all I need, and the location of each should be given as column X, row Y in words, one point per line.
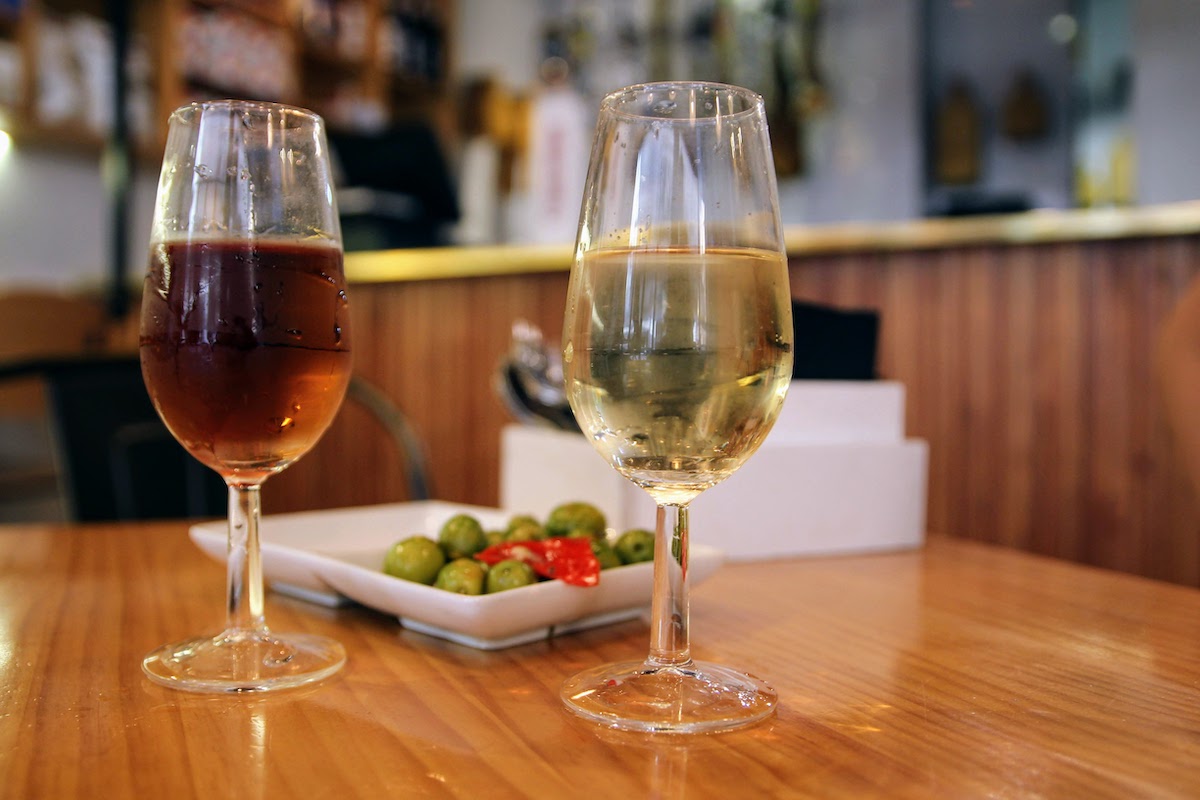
column 835, row 475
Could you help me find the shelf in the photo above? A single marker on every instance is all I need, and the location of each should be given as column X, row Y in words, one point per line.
column 314, row 56
column 281, row 62
column 407, row 86
column 268, row 11
column 64, row 136
column 69, row 138
column 201, row 88
column 92, row 8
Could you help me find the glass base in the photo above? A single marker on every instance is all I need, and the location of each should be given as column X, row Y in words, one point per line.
column 245, row 661
column 689, row 698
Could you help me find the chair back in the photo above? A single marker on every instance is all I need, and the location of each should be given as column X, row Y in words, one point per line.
column 114, row 458
column 409, row 445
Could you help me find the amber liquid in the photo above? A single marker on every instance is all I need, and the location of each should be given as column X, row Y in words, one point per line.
column 245, row 349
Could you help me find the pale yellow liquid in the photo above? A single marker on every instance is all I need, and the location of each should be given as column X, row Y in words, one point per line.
column 677, row 362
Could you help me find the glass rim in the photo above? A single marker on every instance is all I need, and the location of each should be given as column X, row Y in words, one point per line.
column 755, row 102
column 188, row 112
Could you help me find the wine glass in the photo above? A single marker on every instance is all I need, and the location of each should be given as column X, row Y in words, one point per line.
column 245, row 350
column 677, row 355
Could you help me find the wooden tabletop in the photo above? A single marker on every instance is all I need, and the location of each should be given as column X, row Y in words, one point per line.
column 958, row 671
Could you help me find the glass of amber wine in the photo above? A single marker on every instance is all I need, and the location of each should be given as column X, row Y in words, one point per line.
column 245, row 350
column 677, row 355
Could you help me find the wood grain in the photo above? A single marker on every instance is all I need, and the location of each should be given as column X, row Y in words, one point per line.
column 960, row 671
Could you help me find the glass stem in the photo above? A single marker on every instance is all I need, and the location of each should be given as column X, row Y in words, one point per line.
column 244, row 582
column 669, row 608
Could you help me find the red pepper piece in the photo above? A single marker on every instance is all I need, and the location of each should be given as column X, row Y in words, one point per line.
column 569, row 560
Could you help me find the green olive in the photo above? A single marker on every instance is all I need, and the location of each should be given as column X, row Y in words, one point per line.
column 517, row 520
column 462, row 536
column 634, row 546
column 417, row 558
column 605, row 554
column 462, row 576
column 527, row 532
column 509, row 574
column 574, row 517
column 494, row 537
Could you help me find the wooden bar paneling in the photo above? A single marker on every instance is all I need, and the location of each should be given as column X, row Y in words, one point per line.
column 1028, row 369
column 434, row 346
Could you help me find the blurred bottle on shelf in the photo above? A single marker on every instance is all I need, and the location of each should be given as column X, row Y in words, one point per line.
column 559, row 138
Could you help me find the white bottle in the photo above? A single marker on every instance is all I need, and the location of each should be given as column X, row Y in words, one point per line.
column 559, row 139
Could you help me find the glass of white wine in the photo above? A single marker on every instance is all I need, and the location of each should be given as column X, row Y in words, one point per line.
column 677, row 355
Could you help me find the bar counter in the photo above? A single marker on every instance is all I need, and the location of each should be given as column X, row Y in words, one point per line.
column 1033, row 227
column 1025, row 344
column 958, row 671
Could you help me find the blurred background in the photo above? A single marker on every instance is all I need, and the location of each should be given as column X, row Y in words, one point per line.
column 468, row 121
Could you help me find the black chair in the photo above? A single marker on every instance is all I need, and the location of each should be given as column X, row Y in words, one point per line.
column 408, row 444
column 153, row 477
column 116, row 460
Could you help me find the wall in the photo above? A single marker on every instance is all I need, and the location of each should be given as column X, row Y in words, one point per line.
column 986, row 43
column 865, row 153
column 870, row 137
column 1166, row 100
column 54, row 222
column 485, row 35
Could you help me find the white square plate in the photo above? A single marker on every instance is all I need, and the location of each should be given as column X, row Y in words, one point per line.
column 331, row 557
